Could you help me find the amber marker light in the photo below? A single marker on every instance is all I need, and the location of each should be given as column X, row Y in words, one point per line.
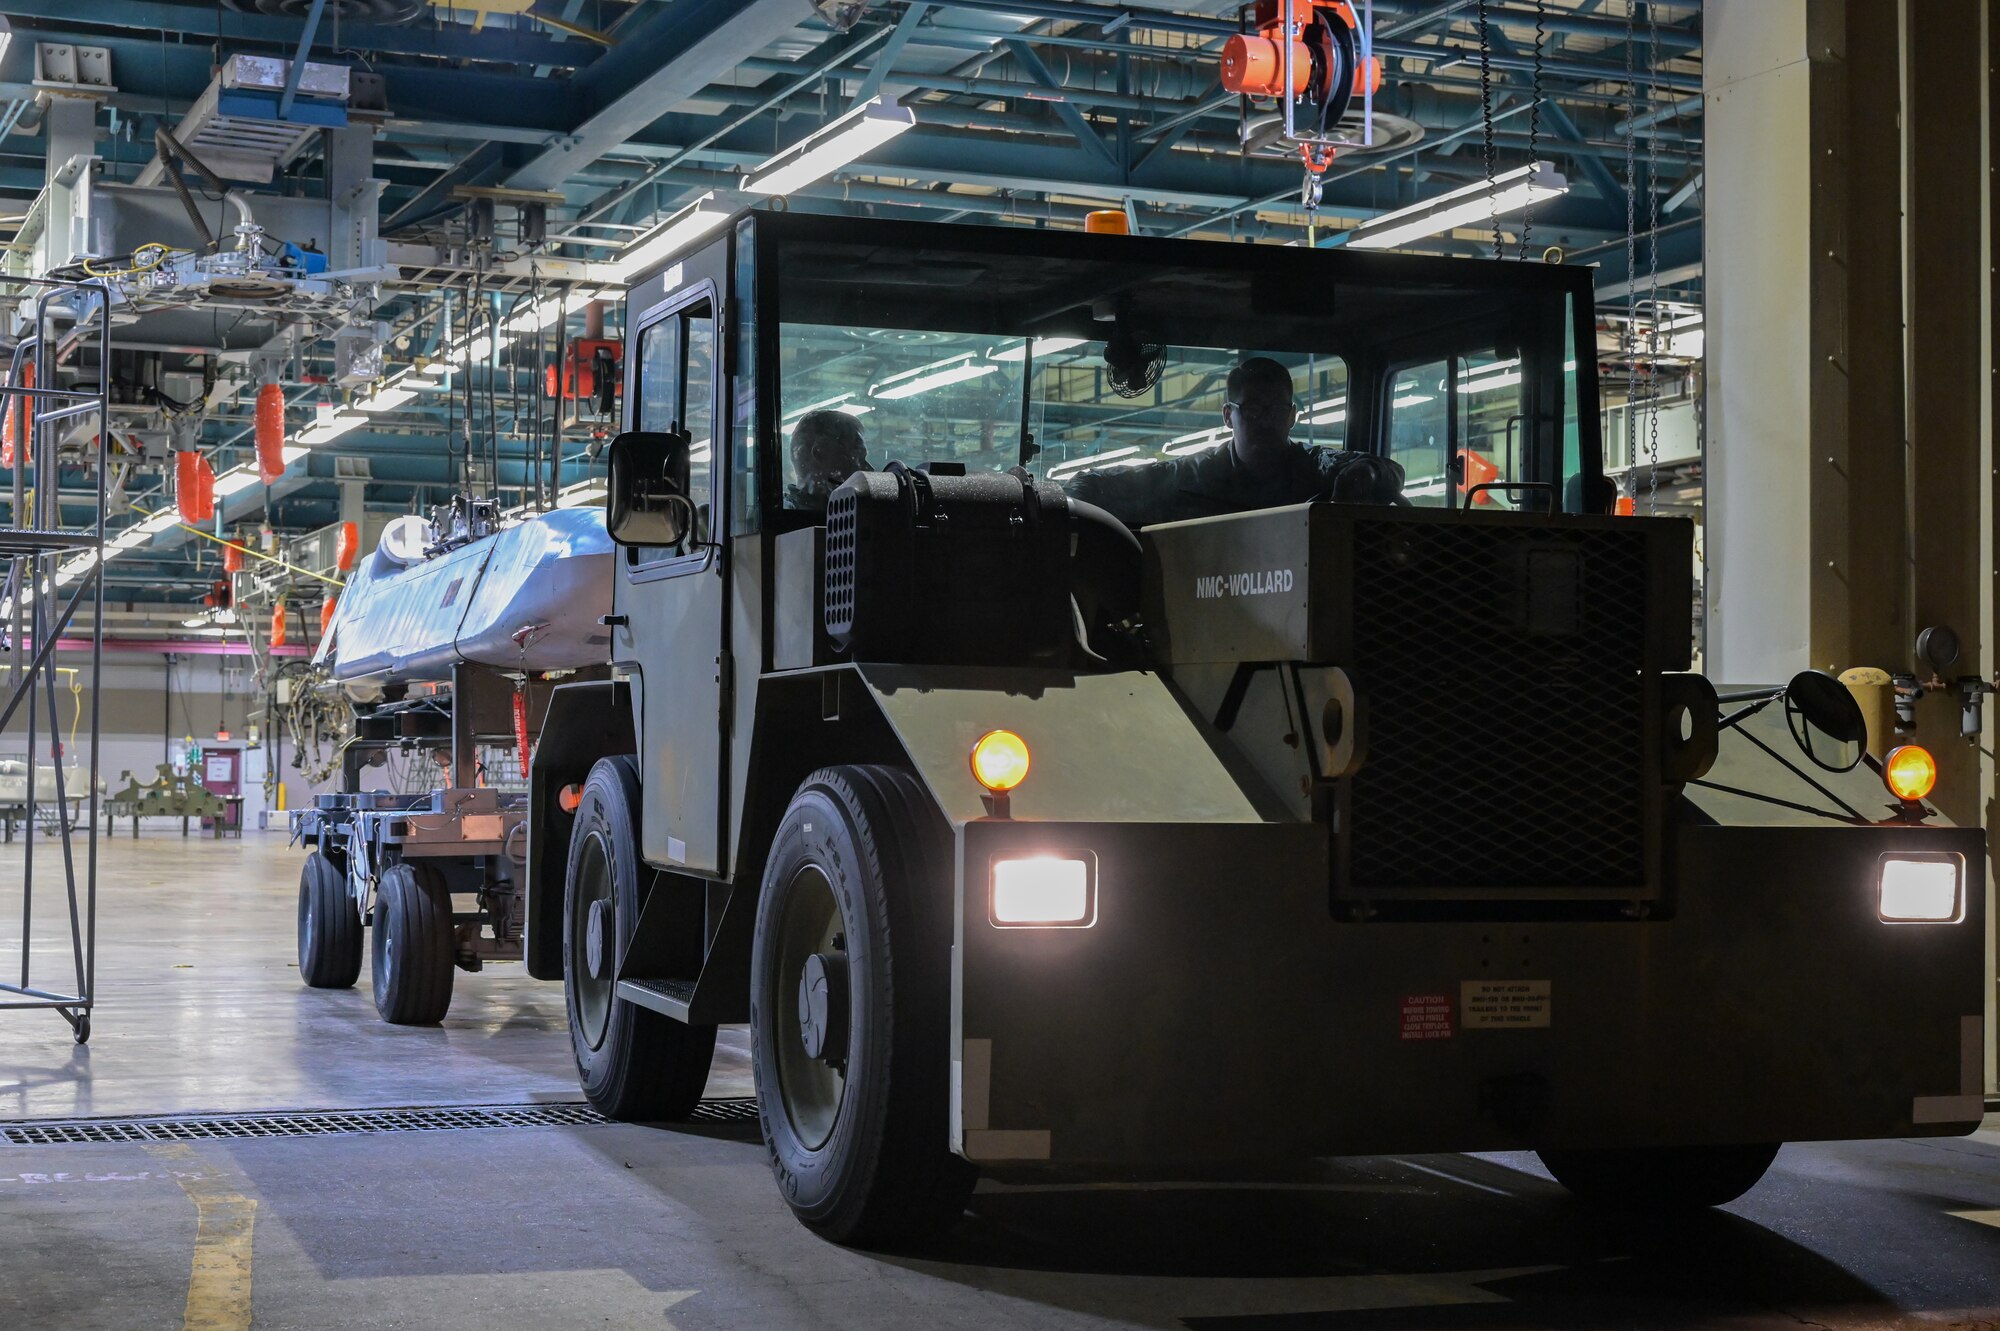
column 1000, row 761
column 1909, row 771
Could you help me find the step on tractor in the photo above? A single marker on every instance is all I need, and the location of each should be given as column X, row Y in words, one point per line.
column 1045, row 841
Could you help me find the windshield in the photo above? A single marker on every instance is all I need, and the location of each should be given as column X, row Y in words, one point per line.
column 1071, row 366
column 921, row 395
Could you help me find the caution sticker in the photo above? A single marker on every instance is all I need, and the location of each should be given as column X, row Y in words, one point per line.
column 1491, row 1004
column 1426, row 1017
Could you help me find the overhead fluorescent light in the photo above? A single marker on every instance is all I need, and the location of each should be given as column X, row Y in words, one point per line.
column 818, row 155
column 234, row 481
column 293, row 452
column 1095, row 459
column 1489, row 383
column 159, row 522
column 6, row 36
column 1197, row 442
column 955, row 370
column 683, row 228
column 1506, row 193
column 1411, row 399
column 418, row 379
column 387, row 399
column 1044, row 346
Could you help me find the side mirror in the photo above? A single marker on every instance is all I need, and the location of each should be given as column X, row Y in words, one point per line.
column 647, row 498
column 1826, row 722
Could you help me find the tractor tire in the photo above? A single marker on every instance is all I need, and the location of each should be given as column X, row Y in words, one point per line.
column 414, row 944
column 850, row 1009
column 1674, row 1178
column 634, row 1063
column 329, row 926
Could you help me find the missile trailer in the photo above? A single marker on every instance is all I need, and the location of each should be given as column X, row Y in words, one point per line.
column 446, row 639
column 1030, row 846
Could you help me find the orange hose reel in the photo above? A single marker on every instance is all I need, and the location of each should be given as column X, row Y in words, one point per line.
column 1255, row 65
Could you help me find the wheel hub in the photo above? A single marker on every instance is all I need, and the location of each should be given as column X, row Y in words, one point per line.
column 597, row 945
column 823, row 1007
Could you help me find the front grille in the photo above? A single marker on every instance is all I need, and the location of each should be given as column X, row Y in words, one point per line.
column 1506, row 731
column 320, row 1123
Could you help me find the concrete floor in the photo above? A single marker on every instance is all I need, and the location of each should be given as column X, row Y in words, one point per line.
column 629, row 1226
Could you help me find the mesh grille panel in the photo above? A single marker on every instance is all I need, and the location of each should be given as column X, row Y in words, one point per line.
column 841, row 521
column 210, row 1127
column 1506, row 744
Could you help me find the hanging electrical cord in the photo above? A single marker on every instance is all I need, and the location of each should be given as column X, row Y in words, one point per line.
column 1486, row 113
column 1628, row 340
column 1653, row 256
column 1535, row 116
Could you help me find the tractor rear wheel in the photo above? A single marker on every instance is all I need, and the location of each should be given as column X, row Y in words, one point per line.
column 1662, row 1177
column 634, row 1063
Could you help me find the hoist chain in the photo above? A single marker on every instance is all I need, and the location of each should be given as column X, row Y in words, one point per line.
column 1486, row 112
column 1535, row 117
column 1653, row 253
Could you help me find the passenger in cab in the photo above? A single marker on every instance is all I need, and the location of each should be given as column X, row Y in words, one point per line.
column 1261, row 466
column 827, row 448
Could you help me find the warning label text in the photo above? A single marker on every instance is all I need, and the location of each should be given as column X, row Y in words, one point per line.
column 1426, row 1017
column 1491, row 1003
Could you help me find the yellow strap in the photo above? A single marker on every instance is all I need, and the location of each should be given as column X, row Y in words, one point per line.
column 237, row 545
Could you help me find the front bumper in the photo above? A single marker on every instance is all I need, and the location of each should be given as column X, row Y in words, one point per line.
column 1216, row 1013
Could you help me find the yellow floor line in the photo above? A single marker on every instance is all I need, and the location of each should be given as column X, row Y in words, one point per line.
column 218, row 1297
column 1980, row 1217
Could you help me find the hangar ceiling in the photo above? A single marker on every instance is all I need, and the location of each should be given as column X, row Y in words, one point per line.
column 521, row 144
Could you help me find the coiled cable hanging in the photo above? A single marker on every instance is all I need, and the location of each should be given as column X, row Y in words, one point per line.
column 1535, row 116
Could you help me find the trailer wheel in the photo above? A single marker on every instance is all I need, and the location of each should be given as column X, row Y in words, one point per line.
column 634, row 1063
column 850, row 1003
column 413, row 945
column 329, row 926
column 1671, row 1177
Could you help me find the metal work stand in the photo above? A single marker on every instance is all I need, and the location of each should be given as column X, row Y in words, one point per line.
column 51, row 570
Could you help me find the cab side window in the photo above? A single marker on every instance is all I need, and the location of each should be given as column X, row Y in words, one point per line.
column 676, row 391
column 1465, row 407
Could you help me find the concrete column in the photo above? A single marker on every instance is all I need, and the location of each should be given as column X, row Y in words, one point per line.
column 1806, row 536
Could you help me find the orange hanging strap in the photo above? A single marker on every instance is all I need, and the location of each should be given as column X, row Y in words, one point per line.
column 15, row 427
column 270, row 433
column 521, row 724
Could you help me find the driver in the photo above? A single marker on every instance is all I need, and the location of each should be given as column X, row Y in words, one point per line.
column 827, row 448
column 1262, row 466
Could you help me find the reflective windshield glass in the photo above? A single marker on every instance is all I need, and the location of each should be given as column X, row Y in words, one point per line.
column 1072, row 365
column 913, row 397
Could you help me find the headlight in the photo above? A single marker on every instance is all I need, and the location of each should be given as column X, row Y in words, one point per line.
column 1043, row 891
column 1919, row 887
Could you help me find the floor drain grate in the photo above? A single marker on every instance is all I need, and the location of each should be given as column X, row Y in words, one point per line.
column 320, row 1123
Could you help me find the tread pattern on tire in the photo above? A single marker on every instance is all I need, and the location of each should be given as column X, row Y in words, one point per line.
column 413, row 923
column 332, row 957
column 911, row 1186
column 1668, row 1177
column 650, row 1068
